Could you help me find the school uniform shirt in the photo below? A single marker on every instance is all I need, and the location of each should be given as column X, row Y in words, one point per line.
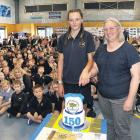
column 19, row 101
column 42, row 62
column 42, row 80
column 75, row 55
column 43, row 108
column 6, row 95
column 54, row 99
column 33, row 70
column 114, row 75
column 7, row 77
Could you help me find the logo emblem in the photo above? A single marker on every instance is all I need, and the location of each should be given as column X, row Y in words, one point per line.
column 72, row 106
column 82, row 44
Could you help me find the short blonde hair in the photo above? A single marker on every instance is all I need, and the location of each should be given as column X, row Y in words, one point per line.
column 117, row 22
column 5, row 82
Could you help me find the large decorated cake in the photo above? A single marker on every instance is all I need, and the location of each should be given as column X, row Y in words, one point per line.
column 71, row 124
column 73, row 113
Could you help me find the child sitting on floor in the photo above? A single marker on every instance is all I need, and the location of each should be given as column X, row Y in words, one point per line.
column 41, row 79
column 18, row 101
column 5, row 96
column 39, row 106
column 52, row 95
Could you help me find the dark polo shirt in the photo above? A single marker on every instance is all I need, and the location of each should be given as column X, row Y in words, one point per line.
column 114, row 70
column 75, row 56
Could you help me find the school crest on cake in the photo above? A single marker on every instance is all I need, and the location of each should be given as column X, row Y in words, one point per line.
column 72, row 106
column 73, row 113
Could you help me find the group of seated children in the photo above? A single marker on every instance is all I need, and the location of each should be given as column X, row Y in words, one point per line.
column 26, row 78
column 16, row 102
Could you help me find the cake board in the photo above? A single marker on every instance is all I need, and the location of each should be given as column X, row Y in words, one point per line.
column 51, row 129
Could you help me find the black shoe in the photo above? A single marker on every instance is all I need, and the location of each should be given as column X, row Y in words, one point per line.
column 138, row 108
column 29, row 122
column 91, row 113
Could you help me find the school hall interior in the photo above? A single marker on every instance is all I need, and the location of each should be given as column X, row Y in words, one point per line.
column 27, row 25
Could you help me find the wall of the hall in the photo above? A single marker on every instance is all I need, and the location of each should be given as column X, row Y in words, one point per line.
column 31, row 28
column 93, row 15
column 8, row 28
column 89, row 15
column 9, row 20
column 29, row 25
column 35, row 16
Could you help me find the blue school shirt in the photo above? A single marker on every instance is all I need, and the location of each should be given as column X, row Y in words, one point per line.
column 6, row 94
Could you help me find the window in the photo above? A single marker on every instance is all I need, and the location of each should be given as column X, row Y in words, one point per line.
column 2, row 34
column 43, row 8
column 44, row 31
column 126, row 5
column 91, row 5
column 49, row 31
column 41, row 31
column 30, row 9
column 59, row 7
column 108, row 5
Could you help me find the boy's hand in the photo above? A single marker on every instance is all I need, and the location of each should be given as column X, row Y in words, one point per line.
column 40, row 117
column 36, row 115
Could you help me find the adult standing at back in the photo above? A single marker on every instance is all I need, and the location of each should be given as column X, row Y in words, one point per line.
column 117, row 65
column 76, row 49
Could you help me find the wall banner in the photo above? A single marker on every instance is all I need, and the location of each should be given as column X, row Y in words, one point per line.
column 5, row 11
column 54, row 15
